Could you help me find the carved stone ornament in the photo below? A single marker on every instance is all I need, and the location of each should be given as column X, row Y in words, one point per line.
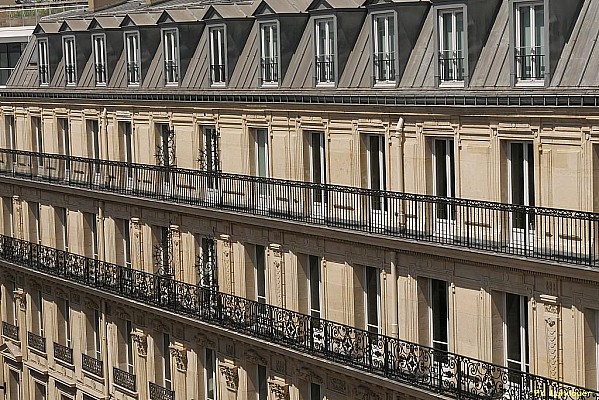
column 141, row 342
column 90, row 304
column 552, row 308
column 337, row 385
column 231, row 375
column 203, row 341
column 179, row 353
column 160, row 326
column 279, row 391
column 21, row 299
column 362, row 392
column 255, row 358
column 551, row 331
column 308, row 375
column 61, row 293
column 122, row 314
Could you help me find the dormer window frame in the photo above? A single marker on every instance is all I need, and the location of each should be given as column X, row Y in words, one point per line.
column 172, row 55
column 133, row 57
column 218, row 68
column 451, row 55
column 43, row 67
column 325, row 58
column 270, row 53
column 69, row 47
column 384, row 55
column 533, row 53
column 99, row 53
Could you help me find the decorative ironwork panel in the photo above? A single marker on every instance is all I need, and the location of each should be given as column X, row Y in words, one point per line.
column 206, row 264
column 124, row 379
column 10, row 331
column 158, row 392
column 63, row 353
column 209, row 155
column 92, row 365
column 165, row 151
column 163, row 253
column 36, row 342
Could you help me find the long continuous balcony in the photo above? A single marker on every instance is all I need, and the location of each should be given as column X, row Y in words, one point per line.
column 438, row 371
column 534, row 232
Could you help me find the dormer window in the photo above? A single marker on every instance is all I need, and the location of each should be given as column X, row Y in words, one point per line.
column 451, row 46
column 170, row 42
column 99, row 46
column 70, row 67
column 325, row 51
column 217, row 56
column 529, row 49
column 269, row 50
column 384, row 48
column 133, row 64
column 43, row 64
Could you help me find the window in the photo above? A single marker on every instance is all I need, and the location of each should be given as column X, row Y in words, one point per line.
column 93, row 138
column 90, row 235
column 97, row 334
column 325, row 51
column 64, row 142
column 62, row 238
column 99, row 47
column 314, row 285
column 9, row 130
column 165, row 137
column 35, row 232
column 170, row 41
column 315, row 393
column 262, row 158
column 43, row 62
column 40, row 391
column 269, row 49
column 210, row 374
column 70, row 57
column 129, row 345
column 37, row 139
column 162, row 250
column 14, row 385
column 262, row 383
column 376, row 168
column 372, row 299
column 133, row 56
column 65, row 317
column 7, row 217
column 209, row 156
column 451, row 46
column 516, row 332
column 318, row 164
column 166, row 358
column 260, row 262
column 439, row 312
column 444, row 175
column 522, row 182
column 207, row 270
column 217, row 56
column 126, row 244
column 529, row 51
column 9, row 55
column 39, row 318
column 384, row 48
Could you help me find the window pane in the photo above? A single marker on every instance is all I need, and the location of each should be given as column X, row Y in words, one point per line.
column 439, row 313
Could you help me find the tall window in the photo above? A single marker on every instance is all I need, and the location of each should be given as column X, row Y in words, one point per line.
column 14, row 384
column 522, row 182
column 99, row 47
column 40, row 313
column 64, row 142
column 7, row 217
column 129, row 345
column 529, row 50
column 170, row 41
column 384, row 48
column 516, row 332
column 97, row 334
column 451, row 46
column 126, row 244
column 376, row 168
column 372, row 299
column 90, row 235
column 70, row 58
column 325, row 51
column 209, row 154
column 262, row 158
column 217, row 55
column 133, row 58
column 210, row 374
column 166, row 358
column 439, row 313
column 315, row 392
column 37, row 139
column 269, row 47
column 9, row 56
column 260, row 263
column 40, row 391
column 314, row 286
column 62, row 238
column 65, row 314
column 93, row 138
column 262, row 383
column 9, row 130
column 318, row 164
column 43, row 62
column 444, row 175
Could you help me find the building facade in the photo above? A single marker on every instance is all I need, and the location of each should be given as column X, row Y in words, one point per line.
column 287, row 199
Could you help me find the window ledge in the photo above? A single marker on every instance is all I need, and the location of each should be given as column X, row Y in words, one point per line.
column 452, row 84
column 270, row 85
column 385, row 84
column 94, row 377
column 125, row 390
column 218, row 85
column 530, row 83
column 326, row 84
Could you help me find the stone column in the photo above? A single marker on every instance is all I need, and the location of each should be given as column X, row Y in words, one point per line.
column 224, row 250
column 276, row 276
column 137, row 250
column 177, row 263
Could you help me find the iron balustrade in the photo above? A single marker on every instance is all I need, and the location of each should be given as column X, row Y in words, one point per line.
column 325, row 69
column 270, row 70
column 124, row 379
column 171, row 72
column 100, row 74
column 158, row 392
column 63, row 353
column 133, row 73
column 533, row 232
column 92, row 365
column 44, row 74
column 451, row 66
column 384, row 67
column 10, row 331
column 431, row 369
column 70, row 74
column 217, row 74
column 530, row 63
column 36, row 342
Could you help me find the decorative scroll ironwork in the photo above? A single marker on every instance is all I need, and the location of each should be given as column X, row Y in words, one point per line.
column 165, row 151
column 439, row 371
column 63, row 353
column 36, row 342
column 10, row 331
column 208, row 159
column 92, row 365
column 158, row 392
column 124, row 379
column 163, row 253
column 206, row 264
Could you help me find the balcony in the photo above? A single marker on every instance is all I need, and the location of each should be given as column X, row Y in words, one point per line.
column 123, row 379
column 434, row 370
column 36, row 342
column 538, row 233
column 92, row 365
column 10, row 331
column 63, row 353
column 158, row 392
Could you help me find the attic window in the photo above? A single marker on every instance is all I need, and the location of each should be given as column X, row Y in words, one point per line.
column 133, row 67
column 529, row 51
column 451, row 46
column 269, row 50
column 384, row 48
column 217, row 56
column 43, row 65
column 99, row 43
column 70, row 57
column 170, row 42
column 325, row 52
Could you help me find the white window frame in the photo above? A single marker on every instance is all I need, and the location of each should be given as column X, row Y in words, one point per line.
column 326, row 55
column 130, row 357
column 387, row 49
column 271, row 49
column 37, row 132
column 67, row 323
column 70, row 59
column 221, row 54
column 262, row 132
column 455, row 71
column 43, row 62
column 524, row 363
column 369, row 327
column 533, row 45
column 262, row 299
column 99, row 50
column 315, row 312
column 170, row 48
column 213, row 367
column 132, row 48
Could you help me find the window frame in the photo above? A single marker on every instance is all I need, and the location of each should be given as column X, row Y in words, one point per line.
column 439, row 12
column 222, row 55
column 261, row 298
column 333, row 57
column 213, row 376
column 393, row 63
column 524, row 332
column 102, row 58
column 367, row 299
column 66, row 56
column 175, row 53
column 274, row 48
column 136, row 59
column 315, row 312
column 434, row 343
column 515, row 5
column 43, row 69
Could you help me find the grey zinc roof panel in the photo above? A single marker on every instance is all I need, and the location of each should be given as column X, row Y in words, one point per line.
column 109, row 22
column 87, row 78
column 197, row 71
column 233, row 10
column 299, row 72
column 118, row 78
column 144, row 18
column 419, row 71
column 50, row 27
column 184, row 15
column 356, row 73
column 155, row 75
column 58, row 77
column 283, row 6
column 246, row 70
column 22, row 69
column 76, row 25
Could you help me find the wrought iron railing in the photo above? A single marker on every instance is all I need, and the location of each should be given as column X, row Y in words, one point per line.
column 70, row 74
column 270, row 69
column 530, row 63
column 171, row 70
column 92, row 365
column 36, row 342
column 384, row 67
column 123, row 379
column 100, row 74
column 10, row 331
column 451, row 66
column 44, row 74
column 325, row 69
column 217, row 74
column 533, row 232
column 63, row 353
column 413, row 364
column 158, row 392
column 133, row 77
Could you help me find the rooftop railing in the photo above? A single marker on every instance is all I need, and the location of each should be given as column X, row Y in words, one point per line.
column 541, row 233
column 420, row 366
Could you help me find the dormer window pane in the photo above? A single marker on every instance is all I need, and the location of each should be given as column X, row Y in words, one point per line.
column 270, row 53
column 44, row 66
column 530, row 42
column 217, row 55
column 133, row 67
column 69, row 61
column 100, row 59
column 325, row 51
column 171, row 56
column 451, row 46
column 384, row 48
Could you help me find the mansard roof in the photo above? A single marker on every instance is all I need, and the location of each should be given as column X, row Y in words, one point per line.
column 140, row 19
column 74, row 25
column 184, row 15
column 105, row 22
